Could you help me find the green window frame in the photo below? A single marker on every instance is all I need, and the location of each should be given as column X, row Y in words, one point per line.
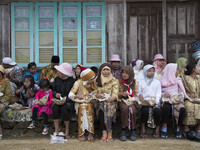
column 22, row 33
column 93, row 49
column 70, row 32
column 42, row 48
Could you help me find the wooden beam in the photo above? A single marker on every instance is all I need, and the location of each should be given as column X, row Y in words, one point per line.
column 125, row 36
column 164, row 30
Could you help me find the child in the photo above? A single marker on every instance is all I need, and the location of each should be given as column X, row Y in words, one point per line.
column 106, row 84
column 116, row 69
column 27, row 91
column 182, row 63
column 40, row 108
column 61, row 88
column 78, row 69
column 137, row 65
column 128, row 87
column 5, row 93
column 150, row 88
column 159, row 63
column 82, row 90
column 191, row 83
column 172, row 86
column 32, row 71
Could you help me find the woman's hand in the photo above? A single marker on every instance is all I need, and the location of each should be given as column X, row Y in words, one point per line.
column 166, row 95
column 124, row 94
column 78, row 97
column 58, row 95
column 193, row 95
column 99, row 95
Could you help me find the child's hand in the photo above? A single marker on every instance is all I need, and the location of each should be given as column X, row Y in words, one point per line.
column 99, row 95
column 17, row 91
column 58, row 95
column 141, row 98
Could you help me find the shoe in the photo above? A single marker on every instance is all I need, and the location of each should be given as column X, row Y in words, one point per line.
column 1, row 136
column 123, row 136
column 163, row 135
column 31, row 126
column 133, row 136
column 179, row 135
column 45, row 131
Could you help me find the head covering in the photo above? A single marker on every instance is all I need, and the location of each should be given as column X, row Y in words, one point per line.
column 169, row 78
column 3, row 79
column 55, row 59
column 138, row 64
column 133, row 63
column 196, row 45
column 128, row 84
column 155, row 63
column 196, row 55
column 9, row 61
column 86, row 75
column 115, row 57
column 65, row 68
column 145, row 69
column 100, row 78
column 181, row 62
column 81, row 66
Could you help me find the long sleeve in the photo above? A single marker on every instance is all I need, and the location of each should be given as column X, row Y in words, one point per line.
column 158, row 94
column 7, row 93
column 115, row 89
column 49, row 102
column 74, row 90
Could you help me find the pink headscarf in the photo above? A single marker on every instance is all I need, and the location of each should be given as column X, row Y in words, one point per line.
column 169, row 78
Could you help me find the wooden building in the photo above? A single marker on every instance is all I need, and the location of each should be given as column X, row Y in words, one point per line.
column 89, row 32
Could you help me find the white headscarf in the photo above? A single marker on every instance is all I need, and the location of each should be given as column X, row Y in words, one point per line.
column 147, row 79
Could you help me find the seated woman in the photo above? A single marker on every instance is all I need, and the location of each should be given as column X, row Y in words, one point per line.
column 82, row 90
column 150, row 90
column 61, row 88
column 27, row 91
column 182, row 63
column 137, row 65
column 174, row 92
column 77, row 70
column 5, row 93
column 32, row 68
column 128, row 87
column 106, row 88
column 191, row 83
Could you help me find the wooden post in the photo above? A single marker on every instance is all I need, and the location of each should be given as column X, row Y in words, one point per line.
column 164, row 25
column 125, row 30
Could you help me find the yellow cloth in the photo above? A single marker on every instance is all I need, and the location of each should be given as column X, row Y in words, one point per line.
column 106, row 79
column 48, row 72
column 5, row 89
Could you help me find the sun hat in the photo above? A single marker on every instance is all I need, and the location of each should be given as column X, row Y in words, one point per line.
column 86, row 75
column 115, row 57
column 8, row 61
column 65, row 68
column 158, row 57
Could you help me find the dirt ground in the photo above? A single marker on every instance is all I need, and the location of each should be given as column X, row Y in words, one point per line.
column 42, row 143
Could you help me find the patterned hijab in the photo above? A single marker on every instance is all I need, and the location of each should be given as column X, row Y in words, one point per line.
column 100, row 78
column 145, row 69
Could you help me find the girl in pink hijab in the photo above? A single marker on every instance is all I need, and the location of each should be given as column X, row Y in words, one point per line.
column 173, row 99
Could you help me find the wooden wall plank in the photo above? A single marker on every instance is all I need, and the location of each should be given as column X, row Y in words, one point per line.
column 181, row 20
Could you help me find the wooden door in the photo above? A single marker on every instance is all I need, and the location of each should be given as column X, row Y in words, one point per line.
column 144, row 31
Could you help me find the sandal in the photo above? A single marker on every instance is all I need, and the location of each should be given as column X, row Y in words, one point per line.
column 103, row 139
column 156, row 135
column 163, row 135
column 109, row 139
column 143, row 135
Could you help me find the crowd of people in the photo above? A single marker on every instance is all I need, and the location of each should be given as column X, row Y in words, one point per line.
column 159, row 91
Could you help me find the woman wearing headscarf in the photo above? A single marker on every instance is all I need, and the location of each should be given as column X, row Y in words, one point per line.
column 174, row 93
column 128, row 87
column 137, row 65
column 106, row 87
column 5, row 93
column 182, row 63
